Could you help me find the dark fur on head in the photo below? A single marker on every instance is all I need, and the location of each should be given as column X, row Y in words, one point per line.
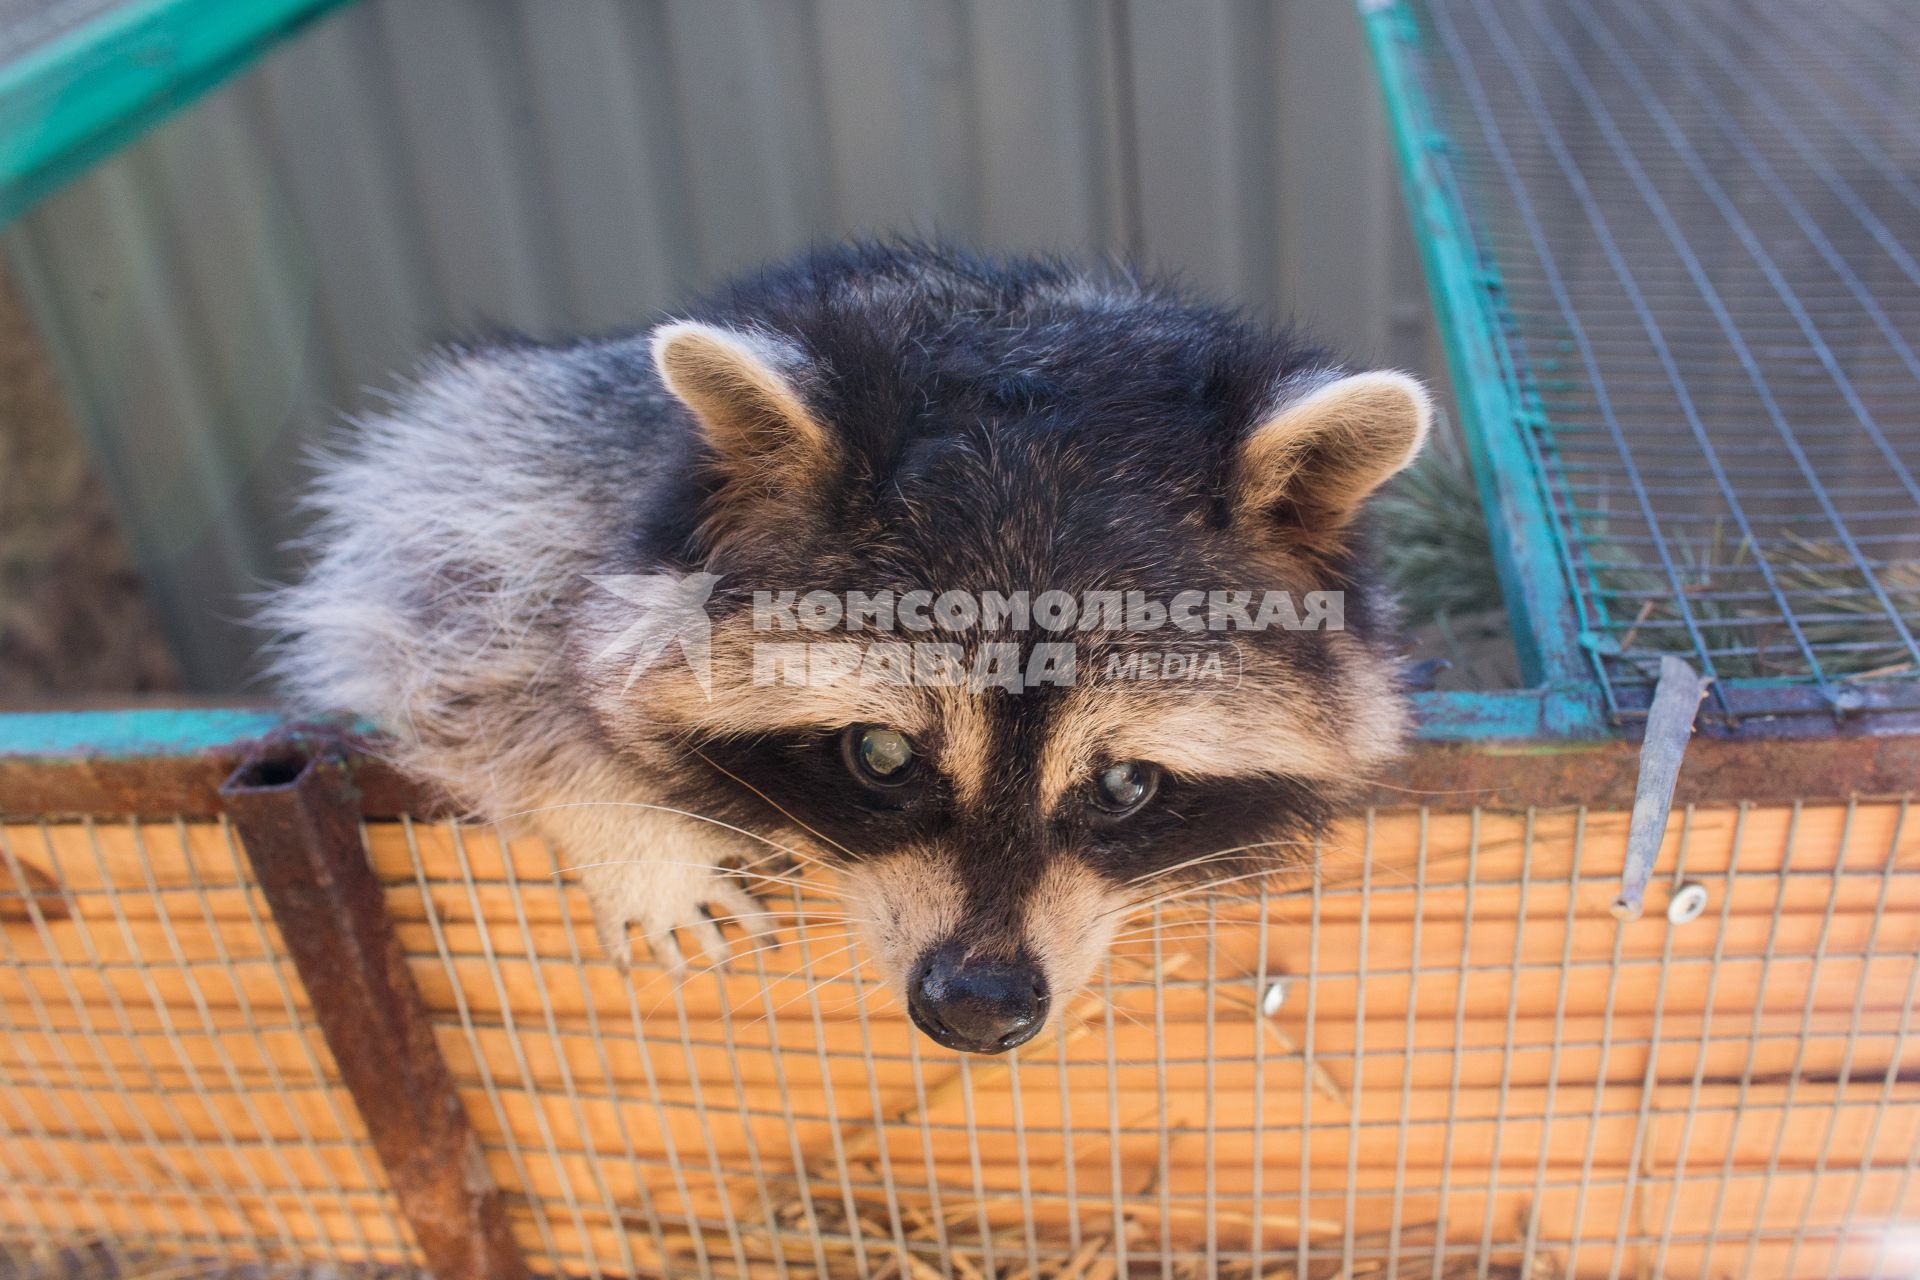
column 870, row 418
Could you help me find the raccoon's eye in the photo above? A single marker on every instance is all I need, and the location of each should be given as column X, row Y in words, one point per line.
column 882, row 757
column 1121, row 789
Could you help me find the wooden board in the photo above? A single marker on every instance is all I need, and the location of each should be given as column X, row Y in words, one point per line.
column 1468, row 1038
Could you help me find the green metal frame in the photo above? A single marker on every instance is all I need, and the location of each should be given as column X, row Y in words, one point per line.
column 70, row 102
column 61, row 736
column 1497, row 407
column 125, row 735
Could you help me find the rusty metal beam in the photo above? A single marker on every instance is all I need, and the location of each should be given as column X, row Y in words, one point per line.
column 296, row 810
column 155, row 762
column 180, row 777
column 1602, row 774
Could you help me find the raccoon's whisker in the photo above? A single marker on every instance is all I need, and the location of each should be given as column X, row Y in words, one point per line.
column 768, row 977
column 1178, row 929
column 832, row 977
column 1126, row 1013
column 709, row 866
column 764, row 796
column 886, row 995
column 858, row 999
column 774, row 945
column 802, row 923
column 1141, row 950
column 1165, row 931
column 747, row 867
column 1175, row 943
column 804, row 918
column 1174, row 895
column 689, row 972
column 1199, row 890
column 663, row 808
column 1361, row 859
column 1218, row 855
column 696, row 970
column 812, row 992
column 1209, row 857
column 1182, row 916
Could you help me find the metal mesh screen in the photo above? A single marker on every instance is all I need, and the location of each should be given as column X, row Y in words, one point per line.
column 1702, row 220
column 1440, row 1058
column 1463, row 1037
column 163, row 1093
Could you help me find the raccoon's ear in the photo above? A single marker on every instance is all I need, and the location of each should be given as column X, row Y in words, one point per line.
column 744, row 389
column 1317, row 458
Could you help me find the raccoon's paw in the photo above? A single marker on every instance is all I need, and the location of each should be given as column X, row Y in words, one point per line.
column 660, row 898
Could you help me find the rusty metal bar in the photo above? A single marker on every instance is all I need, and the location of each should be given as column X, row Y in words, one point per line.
column 294, row 805
column 180, row 779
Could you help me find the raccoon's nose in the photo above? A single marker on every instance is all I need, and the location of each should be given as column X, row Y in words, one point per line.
column 979, row 1006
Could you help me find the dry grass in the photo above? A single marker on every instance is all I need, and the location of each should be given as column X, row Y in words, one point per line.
column 1437, row 553
column 1432, row 539
column 1433, row 544
column 1840, row 616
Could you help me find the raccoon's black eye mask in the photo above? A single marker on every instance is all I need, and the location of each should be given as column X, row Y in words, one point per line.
column 868, row 790
column 1269, row 821
column 885, row 762
column 866, row 800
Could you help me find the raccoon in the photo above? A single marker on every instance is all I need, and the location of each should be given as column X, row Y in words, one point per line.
column 862, row 424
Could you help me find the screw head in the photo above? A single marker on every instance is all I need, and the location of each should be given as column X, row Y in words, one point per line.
column 1688, row 901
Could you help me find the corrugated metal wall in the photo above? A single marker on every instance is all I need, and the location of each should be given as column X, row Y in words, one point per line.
column 217, row 294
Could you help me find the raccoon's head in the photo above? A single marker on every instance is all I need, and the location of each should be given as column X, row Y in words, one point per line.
column 896, row 453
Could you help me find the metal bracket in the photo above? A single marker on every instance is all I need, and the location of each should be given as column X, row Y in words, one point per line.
column 1676, row 701
column 296, row 812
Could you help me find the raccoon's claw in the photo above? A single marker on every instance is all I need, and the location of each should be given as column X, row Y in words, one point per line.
column 737, row 906
column 659, row 899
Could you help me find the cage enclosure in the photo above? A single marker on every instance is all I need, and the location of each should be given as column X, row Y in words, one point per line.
column 1546, row 1007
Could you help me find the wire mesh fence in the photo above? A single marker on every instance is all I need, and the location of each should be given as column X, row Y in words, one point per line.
column 163, row 1090
column 1699, row 222
column 1440, row 1057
